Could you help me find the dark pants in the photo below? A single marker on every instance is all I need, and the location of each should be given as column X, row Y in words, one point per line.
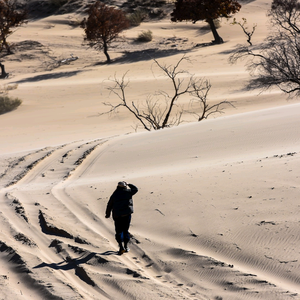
column 122, row 226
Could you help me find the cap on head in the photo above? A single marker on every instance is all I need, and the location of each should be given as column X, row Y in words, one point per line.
column 122, row 184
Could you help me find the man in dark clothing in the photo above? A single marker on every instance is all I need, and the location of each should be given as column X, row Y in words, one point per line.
column 121, row 205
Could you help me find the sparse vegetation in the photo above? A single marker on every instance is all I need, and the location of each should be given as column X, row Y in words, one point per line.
column 137, row 17
column 145, row 36
column 276, row 62
column 10, row 87
column 162, row 109
column 8, row 103
column 139, row 10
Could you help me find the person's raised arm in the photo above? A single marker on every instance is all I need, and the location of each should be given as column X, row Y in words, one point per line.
column 133, row 188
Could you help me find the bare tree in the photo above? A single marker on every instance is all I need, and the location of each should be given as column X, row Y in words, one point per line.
column 162, row 109
column 276, row 63
column 199, row 102
column 285, row 15
column 247, row 32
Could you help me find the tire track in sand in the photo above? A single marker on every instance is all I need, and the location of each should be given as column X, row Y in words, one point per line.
column 132, row 265
column 22, row 188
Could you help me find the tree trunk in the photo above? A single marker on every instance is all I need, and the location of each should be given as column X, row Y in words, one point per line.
column 6, row 45
column 218, row 39
column 165, row 122
column 105, row 48
column 3, row 73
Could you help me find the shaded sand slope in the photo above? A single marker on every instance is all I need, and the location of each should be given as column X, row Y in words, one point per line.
column 242, row 137
column 216, row 216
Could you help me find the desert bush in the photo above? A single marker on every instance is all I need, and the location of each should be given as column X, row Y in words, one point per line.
column 137, row 17
column 8, row 103
column 145, row 36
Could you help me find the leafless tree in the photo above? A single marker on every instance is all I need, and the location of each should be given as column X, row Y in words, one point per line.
column 247, row 32
column 162, row 109
column 285, row 16
column 276, row 63
column 199, row 102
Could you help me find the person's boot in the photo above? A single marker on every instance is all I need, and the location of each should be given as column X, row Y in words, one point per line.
column 126, row 248
column 121, row 249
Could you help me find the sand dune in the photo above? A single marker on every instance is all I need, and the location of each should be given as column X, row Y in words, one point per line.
column 216, row 215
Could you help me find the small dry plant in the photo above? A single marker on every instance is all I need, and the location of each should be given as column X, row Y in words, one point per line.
column 8, row 103
column 137, row 17
column 145, row 36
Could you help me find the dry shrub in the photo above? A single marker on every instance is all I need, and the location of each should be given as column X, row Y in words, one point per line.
column 10, row 87
column 145, row 36
column 137, row 17
column 8, row 103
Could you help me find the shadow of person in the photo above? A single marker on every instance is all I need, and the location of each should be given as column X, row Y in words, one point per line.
column 67, row 264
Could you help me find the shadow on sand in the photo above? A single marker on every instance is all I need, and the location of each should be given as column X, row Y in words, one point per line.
column 143, row 55
column 69, row 263
column 48, row 76
column 149, row 54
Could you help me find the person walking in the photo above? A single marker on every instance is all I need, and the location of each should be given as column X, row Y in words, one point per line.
column 121, row 205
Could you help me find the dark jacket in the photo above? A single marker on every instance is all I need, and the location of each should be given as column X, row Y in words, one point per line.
column 120, row 202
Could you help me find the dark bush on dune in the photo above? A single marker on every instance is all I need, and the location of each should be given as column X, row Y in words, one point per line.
column 8, row 104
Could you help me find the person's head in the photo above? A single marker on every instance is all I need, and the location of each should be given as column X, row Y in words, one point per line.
column 122, row 184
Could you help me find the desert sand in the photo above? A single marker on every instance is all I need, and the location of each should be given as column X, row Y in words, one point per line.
column 217, row 212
